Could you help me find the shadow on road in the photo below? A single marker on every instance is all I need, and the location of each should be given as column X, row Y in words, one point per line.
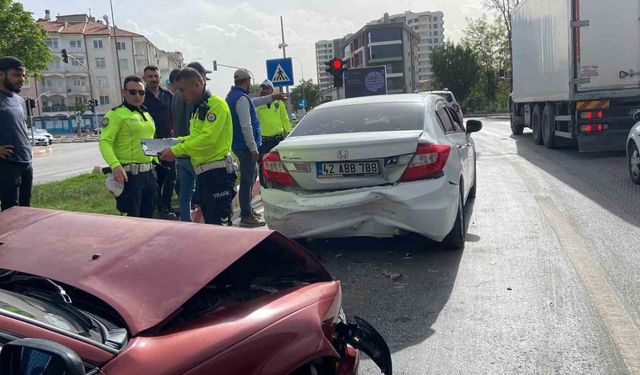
column 601, row 176
column 398, row 284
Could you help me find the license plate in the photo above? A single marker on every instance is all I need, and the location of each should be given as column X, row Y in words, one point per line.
column 346, row 169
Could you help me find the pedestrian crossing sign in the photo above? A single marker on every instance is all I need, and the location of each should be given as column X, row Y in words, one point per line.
column 280, row 72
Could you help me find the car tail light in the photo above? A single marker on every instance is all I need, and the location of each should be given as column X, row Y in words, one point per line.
column 428, row 161
column 274, row 170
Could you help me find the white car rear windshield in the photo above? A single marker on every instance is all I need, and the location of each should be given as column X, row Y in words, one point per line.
column 362, row 118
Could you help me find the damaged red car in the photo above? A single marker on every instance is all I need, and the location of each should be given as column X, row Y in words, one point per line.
column 94, row 294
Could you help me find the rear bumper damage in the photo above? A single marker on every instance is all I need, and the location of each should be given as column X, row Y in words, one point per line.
column 425, row 207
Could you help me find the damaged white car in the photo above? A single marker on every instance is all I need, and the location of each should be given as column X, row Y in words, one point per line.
column 376, row 166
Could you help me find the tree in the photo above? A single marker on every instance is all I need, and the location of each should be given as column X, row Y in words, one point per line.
column 489, row 43
column 80, row 108
column 456, row 68
column 311, row 93
column 504, row 8
column 22, row 37
column 255, row 90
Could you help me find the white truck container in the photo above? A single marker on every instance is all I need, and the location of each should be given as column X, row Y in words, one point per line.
column 576, row 71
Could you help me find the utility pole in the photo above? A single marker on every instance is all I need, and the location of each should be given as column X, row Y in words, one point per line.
column 284, row 46
column 115, row 39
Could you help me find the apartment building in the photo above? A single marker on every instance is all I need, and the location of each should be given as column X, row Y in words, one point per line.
column 99, row 58
column 392, row 44
column 430, row 28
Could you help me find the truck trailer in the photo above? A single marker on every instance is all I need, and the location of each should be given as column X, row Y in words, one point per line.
column 576, row 71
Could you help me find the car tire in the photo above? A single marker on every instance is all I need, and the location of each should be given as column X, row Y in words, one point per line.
column 472, row 192
column 548, row 126
column 455, row 239
column 536, row 124
column 634, row 162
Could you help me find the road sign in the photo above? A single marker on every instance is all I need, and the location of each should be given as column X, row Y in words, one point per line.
column 365, row 81
column 280, row 72
column 302, row 104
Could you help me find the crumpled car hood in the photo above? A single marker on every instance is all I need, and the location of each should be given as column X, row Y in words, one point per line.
column 145, row 269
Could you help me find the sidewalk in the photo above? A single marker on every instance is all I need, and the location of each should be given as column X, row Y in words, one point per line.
column 76, row 139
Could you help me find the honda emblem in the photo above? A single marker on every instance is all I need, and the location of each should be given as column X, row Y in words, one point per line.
column 343, row 154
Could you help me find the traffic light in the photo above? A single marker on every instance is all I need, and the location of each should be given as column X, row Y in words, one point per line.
column 31, row 104
column 65, row 57
column 215, row 65
column 336, row 67
column 93, row 103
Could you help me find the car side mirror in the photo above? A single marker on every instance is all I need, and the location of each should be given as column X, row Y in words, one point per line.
column 474, row 126
column 636, row 116
column 36, row 356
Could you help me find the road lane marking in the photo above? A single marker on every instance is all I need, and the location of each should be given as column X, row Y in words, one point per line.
column 613, row 314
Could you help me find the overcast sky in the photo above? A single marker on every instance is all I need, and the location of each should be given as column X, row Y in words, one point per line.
column 248, row 33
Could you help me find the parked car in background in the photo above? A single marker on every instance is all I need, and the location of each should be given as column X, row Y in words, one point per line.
column 451, row 99
column 633, row 150
column 40, row 140
column 86, row 294
column 373, row 166
column 45, row 133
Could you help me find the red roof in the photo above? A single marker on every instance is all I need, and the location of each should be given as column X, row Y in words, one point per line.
column 86, row 28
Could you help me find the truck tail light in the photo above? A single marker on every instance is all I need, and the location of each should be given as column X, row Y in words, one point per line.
column 593, row 115
column 428, row 161
column 592, row 128
column 274, row 170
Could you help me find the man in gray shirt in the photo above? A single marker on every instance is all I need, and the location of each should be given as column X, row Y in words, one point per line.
column 16, row 173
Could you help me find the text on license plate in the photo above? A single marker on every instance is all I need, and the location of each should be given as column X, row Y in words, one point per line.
column 355, row 168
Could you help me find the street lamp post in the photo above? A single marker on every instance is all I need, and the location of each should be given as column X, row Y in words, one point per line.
column 302, row 73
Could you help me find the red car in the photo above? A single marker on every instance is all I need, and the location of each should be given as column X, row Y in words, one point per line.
column 94, row 294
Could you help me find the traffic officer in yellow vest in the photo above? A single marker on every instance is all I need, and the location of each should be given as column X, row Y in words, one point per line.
column 274, row 123
column 123, row 128
column 209, row 147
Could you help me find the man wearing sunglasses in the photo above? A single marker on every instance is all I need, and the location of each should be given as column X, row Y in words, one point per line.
column 123, row 128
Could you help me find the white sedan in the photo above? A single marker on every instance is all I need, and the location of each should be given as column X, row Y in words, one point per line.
column 375, row 166
column 633, row 150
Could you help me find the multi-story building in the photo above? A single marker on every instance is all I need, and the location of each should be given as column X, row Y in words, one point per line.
column 430, row 27
column 392, row 44
column 99, row 58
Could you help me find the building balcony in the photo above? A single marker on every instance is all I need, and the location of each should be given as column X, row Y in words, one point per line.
column 53, row 71
column 50, row 91
column 57, row 108
column 76, row 51
column 78, row 90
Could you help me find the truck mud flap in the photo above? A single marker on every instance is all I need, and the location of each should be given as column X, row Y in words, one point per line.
column 362, row 336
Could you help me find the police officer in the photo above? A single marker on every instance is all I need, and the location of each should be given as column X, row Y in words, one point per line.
column 274, row 123
column 123, row 128
column 209, row 146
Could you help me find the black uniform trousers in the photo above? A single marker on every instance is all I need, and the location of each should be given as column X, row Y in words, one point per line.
column 217, row 190
column 166, row 173
column 139, row 196
column 16, row 181
column 268, row 143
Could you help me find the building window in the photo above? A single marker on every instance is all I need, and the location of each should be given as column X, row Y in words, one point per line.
column 79, row 82
column 435, row 33
column 104, row 100
column 97, row 43
column 121, row 45
column 52, row 43
column 385, row 52
column 54, row 64
column 77, row 44
column 124, row 63
column 100, row 62
column 81, row 99
column 77, row 61
column 385, row 35
column 102, row 82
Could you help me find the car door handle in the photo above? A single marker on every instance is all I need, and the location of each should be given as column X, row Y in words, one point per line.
column 462, row 147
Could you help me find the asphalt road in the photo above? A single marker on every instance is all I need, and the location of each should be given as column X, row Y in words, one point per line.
column 548, row 283
column 65, row 160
